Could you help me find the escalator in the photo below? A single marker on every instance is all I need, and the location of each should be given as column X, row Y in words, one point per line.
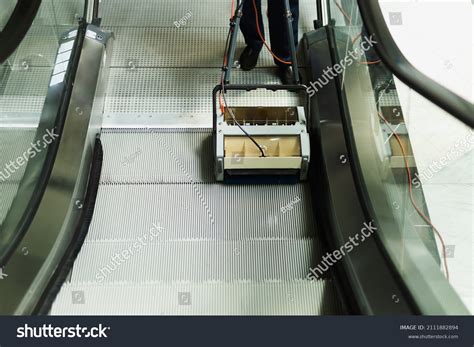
column 204, row 247
column 164, row 237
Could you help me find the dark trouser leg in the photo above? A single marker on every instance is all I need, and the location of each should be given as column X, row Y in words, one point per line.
column 278, row 32
column 248, row 24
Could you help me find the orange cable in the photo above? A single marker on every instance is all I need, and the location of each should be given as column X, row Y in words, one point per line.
column 263, row 39
column 412, row 199
column 344, row 13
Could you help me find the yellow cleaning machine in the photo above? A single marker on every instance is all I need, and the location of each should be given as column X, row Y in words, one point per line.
column 259, row 144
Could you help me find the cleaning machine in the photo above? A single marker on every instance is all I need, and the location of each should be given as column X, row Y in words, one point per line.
column 263, row 144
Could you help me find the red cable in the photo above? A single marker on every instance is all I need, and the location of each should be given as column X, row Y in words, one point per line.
column 412, row 199
column 263, row 39
column 344, row 13
column 369, row 62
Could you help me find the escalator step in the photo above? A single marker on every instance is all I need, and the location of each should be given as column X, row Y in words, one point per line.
column 147, row 260
column 288, row 298
column 203, row 211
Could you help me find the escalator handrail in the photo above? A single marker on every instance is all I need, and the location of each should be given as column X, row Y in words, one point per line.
column 17, row 26
column 399, row 65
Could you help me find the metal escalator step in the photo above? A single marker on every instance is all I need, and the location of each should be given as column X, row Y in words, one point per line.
column 166, row 47
column 164, row 238
column 157, row 156
column 169, row 47
column 278, row 298
column 148, row 94
column 150, row 13
column 204, row 13
column 146, row 260
column 202, row 211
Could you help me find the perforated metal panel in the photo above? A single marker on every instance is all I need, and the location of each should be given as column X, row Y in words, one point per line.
column 25, row 91
column 171, row 47
column 184, row 90
column 38, row 48
column 161, row 71
column 205, row 13
column 389, row 98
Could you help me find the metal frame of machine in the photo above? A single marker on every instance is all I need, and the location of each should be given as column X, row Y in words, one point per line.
column 224, row 128
column 288, row 140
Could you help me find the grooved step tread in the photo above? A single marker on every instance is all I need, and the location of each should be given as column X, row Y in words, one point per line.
column 278, row 298
column 146, row 259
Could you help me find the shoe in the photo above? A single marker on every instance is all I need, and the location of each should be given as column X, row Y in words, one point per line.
column 286, row 75
column 248, row 58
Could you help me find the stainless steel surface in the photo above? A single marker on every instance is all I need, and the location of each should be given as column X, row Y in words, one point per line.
column 206, row 13
column 162, row 74
column 232, row 249
column 145, row 95
column 194, row 236
column 170, row 47
column 47, row 237
column 89, row 15
column 270, row 298
column 157, row 156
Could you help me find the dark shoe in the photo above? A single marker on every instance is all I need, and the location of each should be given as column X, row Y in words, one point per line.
column 286, row 74
column 248, row 58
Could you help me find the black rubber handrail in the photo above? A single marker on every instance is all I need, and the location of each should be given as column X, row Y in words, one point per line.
column 399, row 65
column 17, row 26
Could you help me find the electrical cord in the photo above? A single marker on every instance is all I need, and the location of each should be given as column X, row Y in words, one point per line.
column 410, row 190
column 231, row 112
column 263, row 38
column 222, row 100
column 349, row 19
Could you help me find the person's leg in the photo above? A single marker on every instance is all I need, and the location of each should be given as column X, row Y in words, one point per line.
column 248, row 26
column 278, row 28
